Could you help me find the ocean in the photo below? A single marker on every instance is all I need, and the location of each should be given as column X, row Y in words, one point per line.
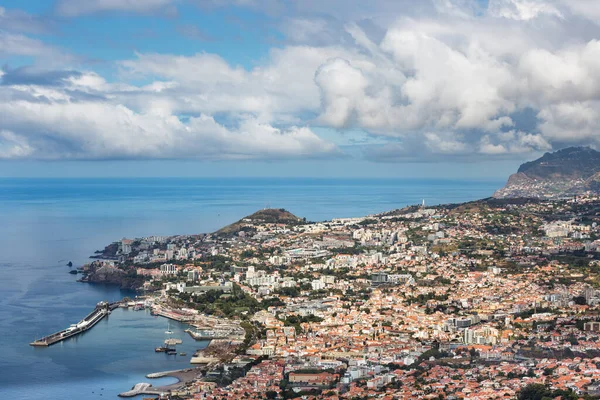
column 48, row 222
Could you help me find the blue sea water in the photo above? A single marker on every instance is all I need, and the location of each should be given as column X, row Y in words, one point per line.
column 47, row 222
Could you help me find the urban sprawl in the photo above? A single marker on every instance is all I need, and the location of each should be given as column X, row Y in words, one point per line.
column 484, row 300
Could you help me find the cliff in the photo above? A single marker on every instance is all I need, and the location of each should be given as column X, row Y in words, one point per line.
column 567, row 172
column 99, row 272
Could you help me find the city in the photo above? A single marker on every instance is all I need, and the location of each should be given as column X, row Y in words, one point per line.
column 474, row 300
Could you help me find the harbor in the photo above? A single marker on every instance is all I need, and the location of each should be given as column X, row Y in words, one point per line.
column 102, row 310
column 183, row 377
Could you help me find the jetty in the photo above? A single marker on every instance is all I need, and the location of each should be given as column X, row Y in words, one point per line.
column 102, row 310
column 184, row 377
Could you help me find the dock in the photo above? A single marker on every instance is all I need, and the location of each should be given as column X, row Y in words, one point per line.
column 207, row 334
column 183, row 377
column 102, row 310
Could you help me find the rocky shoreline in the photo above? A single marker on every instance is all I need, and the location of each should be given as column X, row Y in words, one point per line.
column 103, row 273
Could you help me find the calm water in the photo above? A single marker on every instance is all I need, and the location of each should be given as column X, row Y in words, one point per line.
column 47, row 222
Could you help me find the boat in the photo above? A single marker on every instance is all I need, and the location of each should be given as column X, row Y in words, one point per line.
column 208, row 334
column 172, row 342
column 161, row 349
column 172, row 352
column 169, row 331
column 73, row 271
column 183, row 353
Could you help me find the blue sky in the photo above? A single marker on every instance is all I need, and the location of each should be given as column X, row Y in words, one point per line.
column 336, row 88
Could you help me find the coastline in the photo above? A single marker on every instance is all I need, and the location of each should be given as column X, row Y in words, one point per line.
column 183, row 377
column 43, row 282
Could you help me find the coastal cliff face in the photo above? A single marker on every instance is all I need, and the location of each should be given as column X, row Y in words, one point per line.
column 98, row 272
column 567, row 172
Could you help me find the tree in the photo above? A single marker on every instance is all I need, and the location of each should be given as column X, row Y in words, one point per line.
column 536, row 391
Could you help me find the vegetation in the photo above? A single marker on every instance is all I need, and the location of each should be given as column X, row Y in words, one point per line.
column 213, row 302
column 537, row 391
column 296, row 321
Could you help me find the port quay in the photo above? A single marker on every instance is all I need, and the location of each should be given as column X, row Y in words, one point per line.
column 102, row 310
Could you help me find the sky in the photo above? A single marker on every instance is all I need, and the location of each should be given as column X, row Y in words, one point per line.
column 295, row 88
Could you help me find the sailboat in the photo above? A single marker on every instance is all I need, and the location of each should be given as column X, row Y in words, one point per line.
column 165, row 348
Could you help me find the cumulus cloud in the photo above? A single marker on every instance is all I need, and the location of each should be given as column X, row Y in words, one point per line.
column 571, row 122
column 281, row 90
column 417, row 83
column 48, row 125
column 441, row 79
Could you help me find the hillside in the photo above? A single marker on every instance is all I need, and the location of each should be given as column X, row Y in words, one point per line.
column 266, row 216
column 566, row 172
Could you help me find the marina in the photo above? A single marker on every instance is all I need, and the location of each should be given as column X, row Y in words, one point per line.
column 102, row 310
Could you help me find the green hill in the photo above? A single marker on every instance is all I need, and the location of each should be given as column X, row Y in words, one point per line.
column 266, row 216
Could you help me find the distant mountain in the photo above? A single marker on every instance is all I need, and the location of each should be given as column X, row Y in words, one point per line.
column 566, row 172
column 266, row 216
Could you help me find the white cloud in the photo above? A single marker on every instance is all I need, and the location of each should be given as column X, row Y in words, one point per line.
column 425, row 84
column 13, row 146
column 19, row 21
column 280, row 89
column 571, row 122
column 571, row 74
column 442, row 77
column 49, row 125
column 73, row 8
column 14, row 44
column 526, row 10
column 443, row 142
column 522, row 9
column 512, row 142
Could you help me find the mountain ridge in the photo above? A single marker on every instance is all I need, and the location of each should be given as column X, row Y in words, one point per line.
column 566, row 172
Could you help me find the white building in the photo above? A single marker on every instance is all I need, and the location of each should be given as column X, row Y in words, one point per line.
column 168, row 269
column 317, row 284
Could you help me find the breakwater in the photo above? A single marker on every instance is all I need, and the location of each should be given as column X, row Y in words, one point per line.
column 102, row 310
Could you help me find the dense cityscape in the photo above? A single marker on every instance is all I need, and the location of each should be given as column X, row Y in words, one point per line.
column 490, row 299
column 300, row 199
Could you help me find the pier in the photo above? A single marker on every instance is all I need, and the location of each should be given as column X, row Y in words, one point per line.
column 102, row 310
column 183, row 377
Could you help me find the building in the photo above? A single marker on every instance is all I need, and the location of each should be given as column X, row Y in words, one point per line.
column 168, row 269
column 126, row 246
column 317, row 284
column 193, row 276
column 312, row 379
column 592, row 326
column 379, row 278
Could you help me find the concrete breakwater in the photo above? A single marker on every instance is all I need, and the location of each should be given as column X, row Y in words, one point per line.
column 102, row 310
column 184, row 377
